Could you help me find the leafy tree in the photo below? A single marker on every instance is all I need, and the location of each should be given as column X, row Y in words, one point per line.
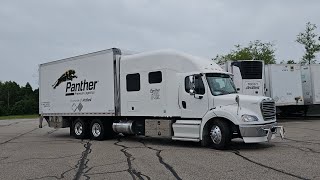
column 291, row 62
column 308, row 39
column 255, row 50
column 10, row 93
column 25, row 106
column 27, row 90
column 288, row 62
column 16, row 100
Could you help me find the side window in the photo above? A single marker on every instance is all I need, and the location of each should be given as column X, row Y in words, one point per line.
column 199, row 86
column 155, row 77
column 133, row 82
column 187, row 86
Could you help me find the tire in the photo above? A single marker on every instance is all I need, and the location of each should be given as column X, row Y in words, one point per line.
column 80, row 129
column 97, row 130
column 219, row 134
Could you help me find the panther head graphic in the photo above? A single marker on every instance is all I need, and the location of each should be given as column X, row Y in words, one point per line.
column 67, row 76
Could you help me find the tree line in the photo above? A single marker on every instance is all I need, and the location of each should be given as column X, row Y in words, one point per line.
column 258, row 50
column 18, row 100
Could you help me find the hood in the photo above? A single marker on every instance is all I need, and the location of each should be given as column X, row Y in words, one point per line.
column 250, row 105
column 230, row 99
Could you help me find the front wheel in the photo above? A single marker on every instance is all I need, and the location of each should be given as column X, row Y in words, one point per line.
column 220, row 134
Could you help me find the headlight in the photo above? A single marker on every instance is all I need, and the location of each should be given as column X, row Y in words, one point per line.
column 248, row 118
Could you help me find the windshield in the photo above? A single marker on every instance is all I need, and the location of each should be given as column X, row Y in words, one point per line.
column 220, row 84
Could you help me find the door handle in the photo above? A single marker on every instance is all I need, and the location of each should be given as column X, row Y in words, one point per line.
column 184, row 104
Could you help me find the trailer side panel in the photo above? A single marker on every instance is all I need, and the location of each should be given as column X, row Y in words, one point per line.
column 78, row 86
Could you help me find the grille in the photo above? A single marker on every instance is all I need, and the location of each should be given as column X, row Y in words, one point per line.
column 268, row 110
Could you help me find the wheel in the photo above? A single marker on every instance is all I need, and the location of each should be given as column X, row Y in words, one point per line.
column 80, row 129
column 220, row 134
column 97, row 130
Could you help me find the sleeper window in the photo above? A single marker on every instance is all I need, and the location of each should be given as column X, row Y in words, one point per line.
column 155, row 77
column 133, row 82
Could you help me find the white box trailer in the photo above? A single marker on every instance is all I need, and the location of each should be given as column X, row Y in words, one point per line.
column 248, row 76
column 311, row 84
column 158, row 94
column 279, row 81
column 84, row 88
column 283, row 84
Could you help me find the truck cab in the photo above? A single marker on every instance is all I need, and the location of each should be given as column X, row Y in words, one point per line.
column 225, row 113
column 201, row 98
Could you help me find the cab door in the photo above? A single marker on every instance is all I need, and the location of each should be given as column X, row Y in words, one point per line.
column 195, row 104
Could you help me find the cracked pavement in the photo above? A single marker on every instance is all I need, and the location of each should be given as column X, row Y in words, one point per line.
column 27, row 152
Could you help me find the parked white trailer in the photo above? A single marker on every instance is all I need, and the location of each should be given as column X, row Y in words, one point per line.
column 157, row 94
column 293, row 87
column 283, row 84
column 311, row 84
column 248, row 76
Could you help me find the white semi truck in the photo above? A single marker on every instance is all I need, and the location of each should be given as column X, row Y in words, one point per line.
column 156, row 94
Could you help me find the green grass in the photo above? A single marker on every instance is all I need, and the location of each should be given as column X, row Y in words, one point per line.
column 20, row 117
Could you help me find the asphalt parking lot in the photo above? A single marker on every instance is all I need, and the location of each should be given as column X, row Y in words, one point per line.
column 27, row 152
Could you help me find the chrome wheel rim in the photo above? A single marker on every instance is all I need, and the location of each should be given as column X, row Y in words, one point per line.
column 96, row 129
column 215, row 134
column 78, row 128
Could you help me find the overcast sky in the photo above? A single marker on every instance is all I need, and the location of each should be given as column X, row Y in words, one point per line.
column 38, row 31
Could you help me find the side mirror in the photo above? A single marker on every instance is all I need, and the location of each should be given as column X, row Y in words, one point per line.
column 192, row 92
column 192, row 85
column 191, row 79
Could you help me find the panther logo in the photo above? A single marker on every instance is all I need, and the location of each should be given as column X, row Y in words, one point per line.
column 67, row 76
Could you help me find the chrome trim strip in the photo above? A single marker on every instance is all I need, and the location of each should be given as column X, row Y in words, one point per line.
column 116, row 73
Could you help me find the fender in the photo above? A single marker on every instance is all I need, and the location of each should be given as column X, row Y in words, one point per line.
column 227, row 113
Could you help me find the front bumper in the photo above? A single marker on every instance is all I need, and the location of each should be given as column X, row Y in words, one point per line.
column 260, row 133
